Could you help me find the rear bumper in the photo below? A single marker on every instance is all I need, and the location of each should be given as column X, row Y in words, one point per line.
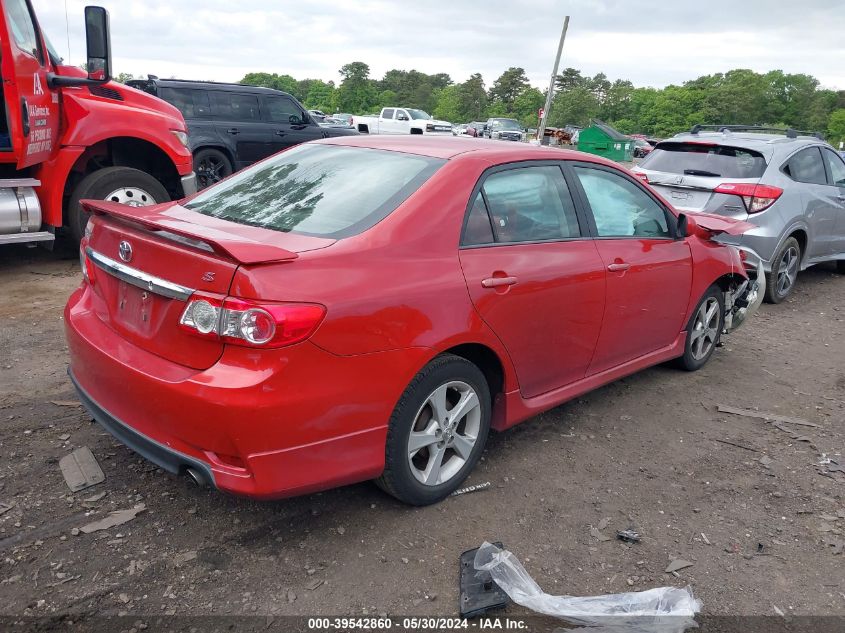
column 266, row 424
column 166, row 458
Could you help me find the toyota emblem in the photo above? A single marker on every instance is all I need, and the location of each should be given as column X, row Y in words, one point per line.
column 125, row 251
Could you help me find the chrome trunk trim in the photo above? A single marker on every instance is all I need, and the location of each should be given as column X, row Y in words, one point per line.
column 139, row 278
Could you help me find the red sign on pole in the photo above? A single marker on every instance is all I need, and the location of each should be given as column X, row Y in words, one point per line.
column 540, row 112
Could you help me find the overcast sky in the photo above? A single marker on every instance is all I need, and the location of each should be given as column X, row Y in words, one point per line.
column 650, row 42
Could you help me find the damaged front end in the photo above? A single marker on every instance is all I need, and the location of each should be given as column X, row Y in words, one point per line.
column 743, row 298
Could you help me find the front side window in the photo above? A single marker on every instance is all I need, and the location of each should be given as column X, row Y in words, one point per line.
column 836, row 167
column 236, row 107
column 807, row 166
column 22, row 27
column 620, row 207
column 320, row 190
column 419, row 115
column 530, row 204
column 282, row 110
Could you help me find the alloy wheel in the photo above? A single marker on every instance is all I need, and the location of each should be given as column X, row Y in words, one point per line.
column 787, row 270
column 444, row 433
column 705, row 329
column 211, row 170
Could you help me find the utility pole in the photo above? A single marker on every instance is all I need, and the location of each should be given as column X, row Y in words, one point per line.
column 542, row 130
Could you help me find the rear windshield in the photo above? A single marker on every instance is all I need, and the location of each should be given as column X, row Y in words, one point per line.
column 319, row 190
column 693, row 159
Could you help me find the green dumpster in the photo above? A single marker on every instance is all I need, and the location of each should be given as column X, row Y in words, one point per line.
column 603, row 140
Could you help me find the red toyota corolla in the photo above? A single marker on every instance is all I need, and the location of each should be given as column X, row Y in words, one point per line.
column 369, row 307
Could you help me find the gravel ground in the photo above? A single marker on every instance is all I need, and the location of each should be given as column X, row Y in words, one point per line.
column 747, row 503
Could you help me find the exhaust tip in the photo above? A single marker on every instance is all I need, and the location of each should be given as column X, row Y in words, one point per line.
column 197, row 477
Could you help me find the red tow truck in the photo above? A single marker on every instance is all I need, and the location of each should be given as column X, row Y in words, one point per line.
column 66, row 135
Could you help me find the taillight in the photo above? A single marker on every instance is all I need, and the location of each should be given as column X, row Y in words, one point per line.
column 248, row 323
column 641, row 176
column 756, row 197
column 85, row 264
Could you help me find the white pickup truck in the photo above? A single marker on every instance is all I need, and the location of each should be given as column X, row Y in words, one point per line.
column 401, row 121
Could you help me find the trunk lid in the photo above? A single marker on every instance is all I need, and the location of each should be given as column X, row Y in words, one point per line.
column 148, row 261
column 687, row 173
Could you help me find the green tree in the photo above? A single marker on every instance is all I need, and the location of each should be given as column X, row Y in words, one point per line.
column 357, row 92
column 527, row 105
column 567, row 80
column 448, row 105
column 285, row 83
column 836, row 126
column 320, row 95
column 508, row 87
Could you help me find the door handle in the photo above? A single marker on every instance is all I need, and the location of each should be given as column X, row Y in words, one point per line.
column 280, row 133
column 497, row 282
column 233, row 130
column 618, row 267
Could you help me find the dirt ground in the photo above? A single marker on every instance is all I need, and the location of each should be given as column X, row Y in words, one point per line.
column 747, row 503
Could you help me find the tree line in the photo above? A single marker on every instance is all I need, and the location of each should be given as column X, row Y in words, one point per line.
column 738, row 96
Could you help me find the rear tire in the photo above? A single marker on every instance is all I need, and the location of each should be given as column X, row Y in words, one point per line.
column 840, row 266
column 704, row 330
column 119, row 184
column 784, row 274
column 449, row 443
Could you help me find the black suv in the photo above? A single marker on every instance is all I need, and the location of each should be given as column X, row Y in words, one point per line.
column 232, row 126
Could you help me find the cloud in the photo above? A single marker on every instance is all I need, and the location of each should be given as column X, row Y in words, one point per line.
column 650, row 42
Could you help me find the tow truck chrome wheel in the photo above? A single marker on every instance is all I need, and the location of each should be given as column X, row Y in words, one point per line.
column 705, row 330
column 444, row 433
column 132, row 196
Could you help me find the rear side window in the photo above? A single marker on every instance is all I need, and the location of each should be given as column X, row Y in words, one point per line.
column 478, row 229
column 693, row 159
column 193, row 104
column 235, row 107
column 806, row 166
column 621, row 208
column 320, row 190
column 387, row 113
column 530, row 204
column 836, row 167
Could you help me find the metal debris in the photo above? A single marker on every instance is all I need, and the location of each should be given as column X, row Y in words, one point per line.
column 474, row 488
column 312, row 585
column 705, row 539
column 629, row 536
column 113, row 519
column 66, row 403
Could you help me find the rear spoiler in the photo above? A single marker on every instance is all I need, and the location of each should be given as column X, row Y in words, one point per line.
column 241, row 249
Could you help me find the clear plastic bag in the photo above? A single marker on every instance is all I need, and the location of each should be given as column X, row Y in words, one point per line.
column 664, row 610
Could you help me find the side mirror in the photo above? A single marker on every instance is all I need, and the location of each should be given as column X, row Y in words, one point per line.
column 687, row 226
column 98, row 40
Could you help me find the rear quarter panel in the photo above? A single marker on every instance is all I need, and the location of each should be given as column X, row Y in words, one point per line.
column 398, row 285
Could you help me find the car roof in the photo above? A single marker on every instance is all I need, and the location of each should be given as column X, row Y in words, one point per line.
column 214, row 85
column 450, row 147
column 751, row 140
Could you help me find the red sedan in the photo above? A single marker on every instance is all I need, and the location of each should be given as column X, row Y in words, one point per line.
column 369, row 308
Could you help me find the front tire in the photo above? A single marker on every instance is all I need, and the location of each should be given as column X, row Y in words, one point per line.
column 840, row 266
column 437, row 431
column 785, row 264
column 704, row 330
column 116, row 184
column 211, row 166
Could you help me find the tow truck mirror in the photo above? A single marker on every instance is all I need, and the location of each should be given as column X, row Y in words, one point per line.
column 98, row 40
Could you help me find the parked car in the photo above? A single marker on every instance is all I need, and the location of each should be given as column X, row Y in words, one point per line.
column 318, row 115
column 790, row 184
column 642, row 148
column 232, row 126
column 459, row 130
column 503, row 129
column 331, row 121
column 343, row 116
column 476, row 129
column 370, row 307
column 401, row 121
